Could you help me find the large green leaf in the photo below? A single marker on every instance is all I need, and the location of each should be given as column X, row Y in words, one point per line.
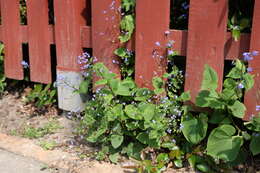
column 133, row 112
column 238, row 109
column 123, row 90
column 254, row 124
column 185, row 96
column 102, row 71
column 142, row 94
column 248, row 81
column 121, row 52
column 121, row 87
column 114, row 157
column 203, row 98
column 101, row 82
column 127, row 24
column 219, row 117
column 235, row 34
column 210, row 99
column 116, row 140
column 230, row 83
column 115, row 113
column 254, row 144
column 147, row 110
column 133, row 150
column 195, row 128
column 158, row 85
column 143, row 137
column 210, row 79
column 83, row 87
column 222, row 144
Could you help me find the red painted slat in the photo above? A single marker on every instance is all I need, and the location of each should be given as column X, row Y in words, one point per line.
column 206, row 39
column 105, row 31
column 12, row 38
column 152, row 20
column 68, row 20
column 39, row 41
column 233, row 49
column 86, row 40
column 252, row 97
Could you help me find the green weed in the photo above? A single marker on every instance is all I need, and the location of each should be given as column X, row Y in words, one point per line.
column 34, row 133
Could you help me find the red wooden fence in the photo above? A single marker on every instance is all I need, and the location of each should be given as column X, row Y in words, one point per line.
column 206, row 40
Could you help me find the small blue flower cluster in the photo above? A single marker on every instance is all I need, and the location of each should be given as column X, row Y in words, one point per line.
column 169, row 45
column 258, row 108
column 248, row 56
column 85, row 61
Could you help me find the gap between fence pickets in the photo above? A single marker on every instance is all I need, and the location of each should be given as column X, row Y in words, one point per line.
column 67, row 83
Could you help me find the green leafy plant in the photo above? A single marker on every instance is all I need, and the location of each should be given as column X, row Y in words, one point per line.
column 127, row 62
column 125, row 119
column 42, row 95
column 227, row 136
column 127, row 23
column 240, row 17
column 2, row 76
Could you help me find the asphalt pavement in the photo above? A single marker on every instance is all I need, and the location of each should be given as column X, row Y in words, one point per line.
column 13, row 163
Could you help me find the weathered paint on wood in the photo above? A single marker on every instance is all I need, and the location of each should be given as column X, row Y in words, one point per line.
column 152, row 20
column 86, row 40
column 252, row 97
column 233, row 49
column 39, row 41
column 12, row 38
column 69, row 17
column 206, row 39
column 105, row 32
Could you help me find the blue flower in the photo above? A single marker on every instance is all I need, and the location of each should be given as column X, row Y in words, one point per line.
column 240, row 86
column 25, row 64
column 257, row 108
column 249, row 69
column 170, row 52
column 255, row 53
column 247, row 56
column 169, row 131
column 157, row 43
column 185, row 6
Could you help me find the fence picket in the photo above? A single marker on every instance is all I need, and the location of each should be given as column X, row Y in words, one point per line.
column 252, row 97
column 12, row 39
column 68, row 20
column 39, row 41
column 152, row 20
column 206, row 40
column 105, row 32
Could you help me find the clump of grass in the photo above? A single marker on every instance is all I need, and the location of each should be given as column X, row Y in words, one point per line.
column 49, row 128
column 48, row 145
